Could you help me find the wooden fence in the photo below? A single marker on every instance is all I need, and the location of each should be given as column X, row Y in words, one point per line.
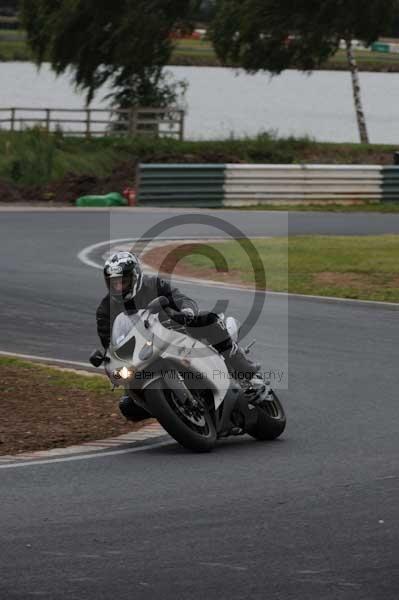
column 90, row 122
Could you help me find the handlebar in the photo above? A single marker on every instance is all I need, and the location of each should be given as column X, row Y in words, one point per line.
column 177, row 316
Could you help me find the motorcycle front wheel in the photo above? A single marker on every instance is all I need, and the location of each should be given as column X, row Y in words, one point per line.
column 192, row 431
column 271, row 419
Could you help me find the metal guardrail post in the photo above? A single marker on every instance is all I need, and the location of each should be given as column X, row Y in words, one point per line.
column 132, row 122
column 390, row 184
column 181, row 132
column 48, row 119
column 88, row 122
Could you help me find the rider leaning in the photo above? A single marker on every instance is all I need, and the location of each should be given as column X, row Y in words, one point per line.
column 129, row 290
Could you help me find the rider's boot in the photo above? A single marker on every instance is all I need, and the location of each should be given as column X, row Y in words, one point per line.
column 238, row 364
column 132, row 411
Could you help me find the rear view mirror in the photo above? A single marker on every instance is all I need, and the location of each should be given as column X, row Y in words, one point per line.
column 97, row 358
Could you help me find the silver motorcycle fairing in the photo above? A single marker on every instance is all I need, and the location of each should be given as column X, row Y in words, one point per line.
column 161, row 344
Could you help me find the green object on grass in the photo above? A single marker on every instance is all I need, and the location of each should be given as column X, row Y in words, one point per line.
column 114, row 199
column 380, row 47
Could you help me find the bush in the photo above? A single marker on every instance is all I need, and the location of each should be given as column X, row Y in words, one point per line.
column 32, row 159
column 36, row 157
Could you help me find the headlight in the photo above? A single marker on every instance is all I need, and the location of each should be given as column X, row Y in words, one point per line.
column 123, row 373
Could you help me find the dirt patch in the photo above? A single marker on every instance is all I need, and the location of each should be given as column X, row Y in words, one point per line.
column 9, row 193
column 359, row 281
column 72, row 186
column 68, row 189
column 169, row 259
column 346, row 156
column 39, row 413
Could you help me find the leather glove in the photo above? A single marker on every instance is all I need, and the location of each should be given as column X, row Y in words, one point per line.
column 189, row 314
column 182, row 317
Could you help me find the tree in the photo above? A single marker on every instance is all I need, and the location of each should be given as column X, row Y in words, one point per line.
column 393, row 30
column 205, row 11
column 124, row 42
column 274, row 35
column 9, row 7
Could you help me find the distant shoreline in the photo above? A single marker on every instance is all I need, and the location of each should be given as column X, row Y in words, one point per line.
column 13, row 48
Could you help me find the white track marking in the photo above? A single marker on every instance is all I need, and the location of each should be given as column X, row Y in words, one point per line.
column 84, row 256
column 336, row 300
column 105, row 454
column 59, row 361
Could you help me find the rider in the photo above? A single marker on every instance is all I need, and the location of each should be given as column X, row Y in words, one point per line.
column 129, row 290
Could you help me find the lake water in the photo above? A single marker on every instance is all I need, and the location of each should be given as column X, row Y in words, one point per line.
column 222, row 102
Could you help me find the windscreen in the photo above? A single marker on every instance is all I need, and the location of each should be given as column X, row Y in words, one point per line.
column 123, row 325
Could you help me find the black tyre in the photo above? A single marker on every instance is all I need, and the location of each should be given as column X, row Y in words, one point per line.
column 194, row 432
column 271, row 420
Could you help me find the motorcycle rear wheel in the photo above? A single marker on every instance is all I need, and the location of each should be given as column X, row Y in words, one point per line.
column 271, row 420
column 196, row 433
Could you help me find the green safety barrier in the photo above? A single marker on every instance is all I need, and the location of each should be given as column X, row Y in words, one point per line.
column 390, row 184
column 200, row 185
column 114, row 199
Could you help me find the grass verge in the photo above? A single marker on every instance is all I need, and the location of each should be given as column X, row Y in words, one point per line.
column 35, row 157
column 358, row 267
column 39, row 167
column 372, row 207
column 14, row 50
column 45, row 407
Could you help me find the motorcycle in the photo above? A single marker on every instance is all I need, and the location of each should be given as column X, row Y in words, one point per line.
column 184, row 383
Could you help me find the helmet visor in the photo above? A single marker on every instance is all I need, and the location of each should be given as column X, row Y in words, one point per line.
column 120, row 286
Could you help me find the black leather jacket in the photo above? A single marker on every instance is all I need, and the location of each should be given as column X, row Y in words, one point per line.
column 151, row 288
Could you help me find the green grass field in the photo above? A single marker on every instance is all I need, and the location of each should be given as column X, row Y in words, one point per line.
column 14, row 50
column 364, row 57
column 203, row 50
column 201, row 53
column 63, row 379
column 205, row 46
column 7, row 34
column 364, row 267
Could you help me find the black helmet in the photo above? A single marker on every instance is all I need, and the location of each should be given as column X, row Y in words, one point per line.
column 123, row 275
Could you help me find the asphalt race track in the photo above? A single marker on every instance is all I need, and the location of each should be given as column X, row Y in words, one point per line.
column 312, row 516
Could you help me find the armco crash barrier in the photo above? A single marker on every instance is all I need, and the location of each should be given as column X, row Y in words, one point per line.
column 246, row 185
column 113, row 199
column 181, row 185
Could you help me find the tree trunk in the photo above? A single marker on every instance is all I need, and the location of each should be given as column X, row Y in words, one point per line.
column 361, row 119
